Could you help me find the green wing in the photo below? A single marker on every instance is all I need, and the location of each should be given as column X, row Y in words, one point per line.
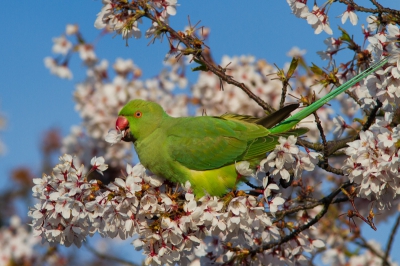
column 258, row 147
column 204, row 143
column 266, row 121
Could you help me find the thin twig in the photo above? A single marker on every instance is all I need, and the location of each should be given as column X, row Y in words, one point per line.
column 391, row 238
column 379, row 6
column 324, row 143
column 210, row 66
column 366, row 245
column 282, row 214
column 371, row 249
column 333, row 146
column 330, row 169
column 325, row 201
column 283, row 95
column 371, row 117
column 379, row 10
column 354, row 97
column 252, row 185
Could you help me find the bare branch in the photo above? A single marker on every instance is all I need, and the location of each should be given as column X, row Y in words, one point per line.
column 324, row 143
column 197, row 53
column 380, row 9
column 325, row 201
column 391, row 238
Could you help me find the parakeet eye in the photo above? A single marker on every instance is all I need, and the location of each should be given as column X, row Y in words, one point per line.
column 138, row 114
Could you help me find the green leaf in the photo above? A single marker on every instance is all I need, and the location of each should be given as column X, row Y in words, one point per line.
column 317, row 70
column 292, row 67
column 201, row 67
column 345, row 36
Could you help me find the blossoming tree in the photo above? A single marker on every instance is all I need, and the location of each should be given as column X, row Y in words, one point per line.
column 283, row 215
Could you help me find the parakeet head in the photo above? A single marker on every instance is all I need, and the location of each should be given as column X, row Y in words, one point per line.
column 138, row 119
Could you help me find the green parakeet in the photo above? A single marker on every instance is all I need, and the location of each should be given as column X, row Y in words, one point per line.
column 205, row 149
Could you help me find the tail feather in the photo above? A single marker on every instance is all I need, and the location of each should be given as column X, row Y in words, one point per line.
column 296, row 118
column 271, row 120
column 266, row 121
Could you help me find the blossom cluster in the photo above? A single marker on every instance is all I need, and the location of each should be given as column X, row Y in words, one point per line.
column 171, row 224
column 16, row 244
column 124, row 18
column 19, row 246
column 374, row 162
column 318, row 17
column 383, row 84
column 382, row 41
column 287, row 157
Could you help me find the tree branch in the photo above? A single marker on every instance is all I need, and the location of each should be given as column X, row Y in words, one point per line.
column 218, row 71
column 391, row 238
column 366, row 245
column 282, row 214
column 325, row 201
column 372, row 116
column 380, row 9
column 334, row 146
column 371, row 249
column 324, row 143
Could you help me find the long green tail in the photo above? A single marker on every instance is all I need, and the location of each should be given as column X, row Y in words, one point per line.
column 296, row 118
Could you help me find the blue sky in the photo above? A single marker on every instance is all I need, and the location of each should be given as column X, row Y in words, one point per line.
column 33, row 100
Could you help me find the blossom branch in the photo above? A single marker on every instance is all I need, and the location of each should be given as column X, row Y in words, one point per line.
column 283, row 96
column 282, row 214
column 333, row 146
column 379, row 9
column 379, row 6
column 197, row 53
column 351, row 195
column 324, row 143
column 327, row 201
column 324, row 163
column 354, row 97
column 284, row 78
column 371, row 117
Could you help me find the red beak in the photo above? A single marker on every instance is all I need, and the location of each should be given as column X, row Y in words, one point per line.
column 122, row 123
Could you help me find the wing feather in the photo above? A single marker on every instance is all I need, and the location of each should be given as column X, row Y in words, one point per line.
column 204, row 143
column 265, row 144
